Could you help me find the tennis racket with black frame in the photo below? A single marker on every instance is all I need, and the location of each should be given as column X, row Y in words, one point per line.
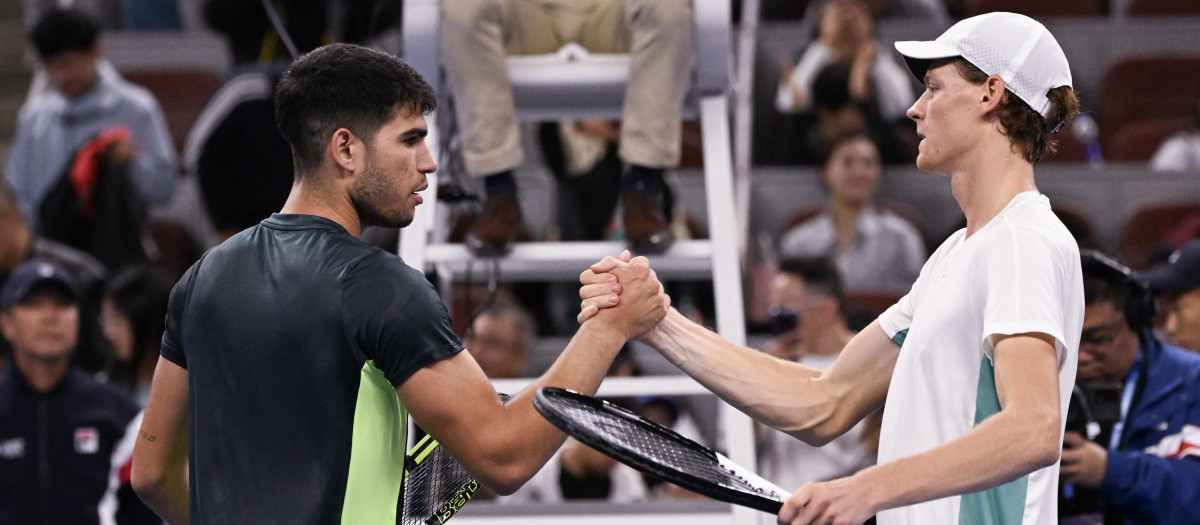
column 656, row 450
column 436, row 485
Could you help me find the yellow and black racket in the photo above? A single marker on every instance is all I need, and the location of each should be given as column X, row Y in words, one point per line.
column 436, row 485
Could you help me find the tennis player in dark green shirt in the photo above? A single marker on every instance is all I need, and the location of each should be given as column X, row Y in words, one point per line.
column 294, row 352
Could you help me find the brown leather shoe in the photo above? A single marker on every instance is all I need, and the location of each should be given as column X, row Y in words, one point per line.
column 497, row 227
column 646, row 227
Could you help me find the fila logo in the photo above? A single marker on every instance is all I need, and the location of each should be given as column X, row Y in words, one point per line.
column 12, row 448
column 87, row 440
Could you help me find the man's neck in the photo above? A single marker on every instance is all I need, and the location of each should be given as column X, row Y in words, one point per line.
column 41, row 374
column 985, row 186
column 307, row 198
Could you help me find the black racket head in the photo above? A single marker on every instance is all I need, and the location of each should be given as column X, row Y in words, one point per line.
column 654, row 449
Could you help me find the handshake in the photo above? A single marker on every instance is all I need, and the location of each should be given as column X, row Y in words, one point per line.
column 625, row 293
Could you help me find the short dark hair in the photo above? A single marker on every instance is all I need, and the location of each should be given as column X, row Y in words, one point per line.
column 831, row 86
column 142, row 294
column 61, row 30
column 831, row 144
column 819, row 274
column 1029, row 131
column 344, row 86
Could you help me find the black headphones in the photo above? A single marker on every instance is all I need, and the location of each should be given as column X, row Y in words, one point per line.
column 1140, row 306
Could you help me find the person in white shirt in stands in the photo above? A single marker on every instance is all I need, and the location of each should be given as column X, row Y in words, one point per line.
column 1181, row 151
column 875, row 249
column 810, row 329
column 976, row 363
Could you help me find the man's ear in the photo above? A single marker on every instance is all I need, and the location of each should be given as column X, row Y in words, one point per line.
column 991, row 94
column 346, row 149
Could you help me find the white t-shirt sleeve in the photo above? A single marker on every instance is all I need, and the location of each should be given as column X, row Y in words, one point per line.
column 1026, row 287
column 899, row 316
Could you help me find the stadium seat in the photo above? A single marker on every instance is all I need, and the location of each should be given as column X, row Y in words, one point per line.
column 1137, row 141
column 182, row 93
column 1063, row 8
column 1146, row 88
column 1162, row 8
column 1145, row 228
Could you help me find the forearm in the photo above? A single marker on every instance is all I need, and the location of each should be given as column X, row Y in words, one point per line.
column 775, row 392
column 503, row 445
column 168, row 496
column 1003, row 448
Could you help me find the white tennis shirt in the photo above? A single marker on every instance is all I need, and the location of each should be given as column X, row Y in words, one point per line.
column 1020, row 273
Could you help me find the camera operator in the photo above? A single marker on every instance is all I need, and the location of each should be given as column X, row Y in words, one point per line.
column 1144, row 463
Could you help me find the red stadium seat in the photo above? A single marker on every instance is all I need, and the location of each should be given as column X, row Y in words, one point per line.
column 1146, row 88
column 181, row 93
column 1162, row 8
column 1040, row 9
column 1137, row 141
column 1145, row 228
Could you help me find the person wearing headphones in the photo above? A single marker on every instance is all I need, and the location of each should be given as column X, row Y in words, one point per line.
column 1145, row 466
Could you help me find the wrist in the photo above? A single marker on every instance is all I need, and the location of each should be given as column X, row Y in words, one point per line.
column 872, row 484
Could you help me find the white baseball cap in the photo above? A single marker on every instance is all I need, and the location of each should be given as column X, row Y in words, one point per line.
column 1014, row 46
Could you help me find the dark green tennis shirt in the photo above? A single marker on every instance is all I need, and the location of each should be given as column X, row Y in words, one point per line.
column 294, row 335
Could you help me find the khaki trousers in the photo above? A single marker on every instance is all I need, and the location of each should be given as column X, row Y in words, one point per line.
column 477, row 34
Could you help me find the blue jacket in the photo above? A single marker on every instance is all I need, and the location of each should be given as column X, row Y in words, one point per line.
column 1154, row 477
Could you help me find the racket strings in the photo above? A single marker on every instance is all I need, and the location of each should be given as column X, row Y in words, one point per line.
column 659, row 447
column 438, row 479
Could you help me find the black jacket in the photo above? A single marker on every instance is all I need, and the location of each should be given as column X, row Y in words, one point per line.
column 57, row 460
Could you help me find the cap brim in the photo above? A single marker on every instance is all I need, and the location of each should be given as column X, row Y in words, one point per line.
column 1168, row 280
column 918, row 55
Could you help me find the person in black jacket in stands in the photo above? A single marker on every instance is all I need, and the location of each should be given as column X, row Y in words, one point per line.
column 64, row 437
column 19, row 243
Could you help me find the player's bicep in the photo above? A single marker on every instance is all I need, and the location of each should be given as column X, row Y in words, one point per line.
column 162, row 439
column 1026, row 368
column 453, row 400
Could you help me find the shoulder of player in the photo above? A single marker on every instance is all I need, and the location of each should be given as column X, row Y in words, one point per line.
column 379, row 264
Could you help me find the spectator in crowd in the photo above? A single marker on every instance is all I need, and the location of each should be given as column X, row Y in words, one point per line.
column 846, row 33
column 500, row 338
column 133, row 313
column 1146, row 464
column 18, row 243
column 810, row 329
column 242, row 164
column 657, row 34
column 94, row 140
column 1178, row 286
column 88, row 98
column 64, row 437
column 1181, row 151
column 874, row 248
